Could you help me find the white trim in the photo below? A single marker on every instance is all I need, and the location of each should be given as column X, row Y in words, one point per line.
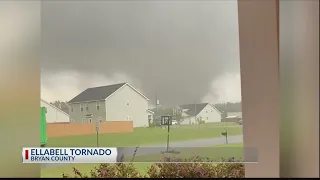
column 81, row 107
column 132, row 88
column 148, row 110
column 98, row 105
column 54, row 107
column 232, row 117
column 80, row 102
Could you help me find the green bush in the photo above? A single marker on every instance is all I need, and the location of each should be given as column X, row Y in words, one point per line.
column 195, row 169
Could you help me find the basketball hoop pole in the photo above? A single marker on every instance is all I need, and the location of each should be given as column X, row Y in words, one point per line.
column 168, row 137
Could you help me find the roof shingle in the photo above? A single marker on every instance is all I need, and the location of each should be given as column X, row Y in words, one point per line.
column 194, row 109
column 96, row 93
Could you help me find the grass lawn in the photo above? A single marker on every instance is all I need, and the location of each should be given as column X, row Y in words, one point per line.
column 234, row 150
column 215, row 153
column 147, row 136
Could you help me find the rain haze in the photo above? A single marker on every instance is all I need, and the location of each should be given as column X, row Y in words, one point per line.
column 185, row 51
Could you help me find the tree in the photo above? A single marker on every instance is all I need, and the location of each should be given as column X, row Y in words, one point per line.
column 61, row 105
column 229, row 107
column 199, row 120
column 178, row 116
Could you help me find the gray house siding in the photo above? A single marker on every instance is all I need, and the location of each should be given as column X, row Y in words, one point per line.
column 209, row 114
column 126, row 104
column 78, row 116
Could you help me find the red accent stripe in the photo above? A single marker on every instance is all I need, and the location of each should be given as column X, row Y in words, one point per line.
column 27, row 154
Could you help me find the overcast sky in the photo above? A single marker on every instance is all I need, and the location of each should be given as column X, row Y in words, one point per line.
column 186, row 51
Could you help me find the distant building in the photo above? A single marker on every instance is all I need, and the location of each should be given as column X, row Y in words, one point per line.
column 233, row 117
column 194, row 113
column 117, row 102
column 238, row 114
column 54, row 114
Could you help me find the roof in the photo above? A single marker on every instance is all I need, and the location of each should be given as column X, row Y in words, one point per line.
column 239, row 114
column 54, row 107
column 101, row 93
column 193, row 109
column 232, row 117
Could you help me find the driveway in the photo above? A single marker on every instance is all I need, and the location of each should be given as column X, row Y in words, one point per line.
column 156, row 149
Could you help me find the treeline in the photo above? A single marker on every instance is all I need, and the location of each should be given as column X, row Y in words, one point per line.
column 61, row 105
column 229, row 107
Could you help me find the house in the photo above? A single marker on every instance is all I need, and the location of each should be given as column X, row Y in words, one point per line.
column 238, row 114
column 194, row 113
column 163, row 111
column 233, row 117
column 150, row 116
column 117, row 102
column 54, row 114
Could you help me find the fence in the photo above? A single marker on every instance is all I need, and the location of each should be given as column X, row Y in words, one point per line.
column 73, row 129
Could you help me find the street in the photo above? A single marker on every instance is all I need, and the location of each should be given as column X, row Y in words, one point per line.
column 155, row 149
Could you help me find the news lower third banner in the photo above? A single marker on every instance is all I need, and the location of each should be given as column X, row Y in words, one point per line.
column 69, row 155
column 139, row 155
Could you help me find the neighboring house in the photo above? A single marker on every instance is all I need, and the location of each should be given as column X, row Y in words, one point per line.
column 238, row 114
column 162, row 111
column 150, row 116
column 117, row 102
column 233, row 117
column 54, row 114
column 206, row 112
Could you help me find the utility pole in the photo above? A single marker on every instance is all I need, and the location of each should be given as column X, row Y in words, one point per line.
column 195, row 111
column 156, row 101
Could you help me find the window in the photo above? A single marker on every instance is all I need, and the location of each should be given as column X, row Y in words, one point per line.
column 90, row 120
column 83, row 120
column 128, row 103
column 207, row 118
column 81, row 108
column 71, row 109
column 98, row 107
column 128, row 118
column 87, row 108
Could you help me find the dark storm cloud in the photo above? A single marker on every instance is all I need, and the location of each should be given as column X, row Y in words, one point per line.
column 174, row 48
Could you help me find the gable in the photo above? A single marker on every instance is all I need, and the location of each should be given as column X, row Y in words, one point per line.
column 101, row 93
column 193, row 109
column 208, row 109
column 131, row 87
